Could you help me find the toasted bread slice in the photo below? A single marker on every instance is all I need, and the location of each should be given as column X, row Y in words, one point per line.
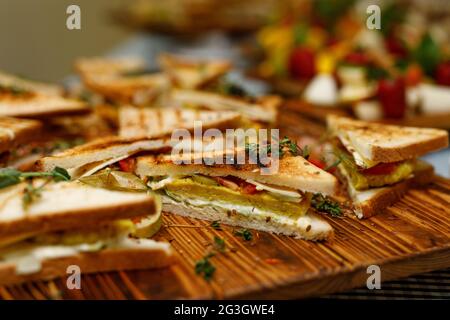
column 68, row 205
column 149, row 123
column 139, row 90
column 100, row 150
column 14, row 132
column 293, row 172
column 264, row 109
column 147, row 254
column 308, row 227
column 370, row 202
column 103, row 66
column 192, row 74
column 386, row 143
column 9, row 80
column 35, row 105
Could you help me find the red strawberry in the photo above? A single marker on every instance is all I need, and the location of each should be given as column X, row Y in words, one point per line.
column 302, row 63
column 443, row 74
column 392, row 96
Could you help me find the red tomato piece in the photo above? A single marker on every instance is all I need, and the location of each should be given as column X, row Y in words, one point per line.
column 127, row 165
column 318, row 163
column 380, row 169
column 248, row 188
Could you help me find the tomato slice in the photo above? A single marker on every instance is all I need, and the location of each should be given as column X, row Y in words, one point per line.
column 381, row 168
column 317, row 162
column 127, row 165
column 248, row 188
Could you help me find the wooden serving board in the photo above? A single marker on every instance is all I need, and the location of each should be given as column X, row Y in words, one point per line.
column 411, row 237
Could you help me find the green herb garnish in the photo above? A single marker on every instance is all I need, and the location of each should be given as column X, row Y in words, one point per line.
column 233, row 89
column 322, row 204
column 219, row 244
column 9, row 176
column 31, row 193
column 334, row 164
column 244, row 233
column 205, row 267
column 216, row 225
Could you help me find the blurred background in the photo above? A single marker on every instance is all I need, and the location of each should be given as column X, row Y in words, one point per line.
column 37, row 44
column 35, row 40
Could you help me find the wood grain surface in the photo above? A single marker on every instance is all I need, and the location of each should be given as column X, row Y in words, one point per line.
column 411, row 237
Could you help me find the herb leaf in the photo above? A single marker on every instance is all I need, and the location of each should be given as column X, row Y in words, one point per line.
column 244, row 233
column 322, row 204
column 31, row 194
column 219, row 244
column 9, row 177
column 60, row 174
column 216, row 225
column 205, row 267
column 333, row 165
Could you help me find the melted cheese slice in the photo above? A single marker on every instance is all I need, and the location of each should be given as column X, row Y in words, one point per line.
column 284, row 192
column 91, row 168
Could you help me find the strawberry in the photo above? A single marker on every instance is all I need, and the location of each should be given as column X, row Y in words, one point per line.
column 392, row 96
column 302, row 63
column 443, row 74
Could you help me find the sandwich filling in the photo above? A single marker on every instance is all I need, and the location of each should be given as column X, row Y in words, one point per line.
column 364, row 174
column 27, row 254
column 233, row 195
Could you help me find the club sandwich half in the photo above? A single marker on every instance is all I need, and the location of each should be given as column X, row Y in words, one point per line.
column 122, row 80
column 46, row 227
column 23, row 98
column 261, row 109
column 239, row 195
column 379, row 162
column 159, row 122
column 109, row 152
column 189, row 73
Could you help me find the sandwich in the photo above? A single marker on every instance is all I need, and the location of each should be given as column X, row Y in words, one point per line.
column 240, row 195
column 89, row 158
column 378, row 163
column 9, row 80
column 87, row 67
column 47, row 226
column 158, row 122
column 19, row 100
column 261, row 109
column 192, row 73
column 15, row 138
column 123, row 80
